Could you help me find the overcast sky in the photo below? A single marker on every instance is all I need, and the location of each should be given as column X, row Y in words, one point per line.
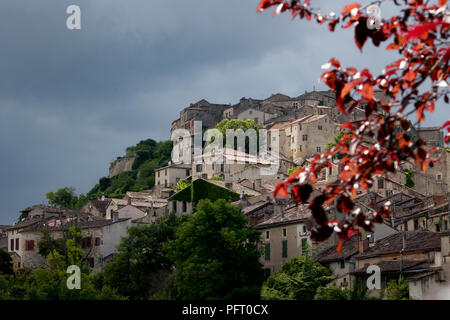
column 72, row 100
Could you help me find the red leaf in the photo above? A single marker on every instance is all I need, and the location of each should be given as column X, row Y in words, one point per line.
column 419, row 30
column 367, row 91
column 348, row 9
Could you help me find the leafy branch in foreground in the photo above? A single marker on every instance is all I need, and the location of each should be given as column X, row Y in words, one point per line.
column 411, row 84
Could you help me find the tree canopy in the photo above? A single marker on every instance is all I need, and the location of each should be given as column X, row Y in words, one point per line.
column 215, row 253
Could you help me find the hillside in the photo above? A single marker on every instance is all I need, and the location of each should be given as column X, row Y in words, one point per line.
column 147, row 155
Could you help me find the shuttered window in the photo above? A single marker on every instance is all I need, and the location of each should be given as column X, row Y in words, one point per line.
column 267, row 251
column 284, row 252
column 304, row 242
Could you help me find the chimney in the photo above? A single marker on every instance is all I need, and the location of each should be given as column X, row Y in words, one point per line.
column 258, row 184
column 267, row 214
column 244, row 200
column 363, row 245
column 129, row 201
column 373, row 203
column 103, row 197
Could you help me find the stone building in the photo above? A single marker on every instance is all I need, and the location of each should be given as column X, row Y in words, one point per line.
column 308, row 135
column 414, row 254
column 168, row 176
column 233, row 165
column 100, row 238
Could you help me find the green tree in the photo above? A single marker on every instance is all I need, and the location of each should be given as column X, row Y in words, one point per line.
column 5, row 262
column 332, row 293
column 397, row 290
column 291, row 170
column 216, row 252
column 337, row 138
column 181, row 184
column 66, row 198
column 298, row 279
column 141, row 268
column 235, row 124
column 409, row 178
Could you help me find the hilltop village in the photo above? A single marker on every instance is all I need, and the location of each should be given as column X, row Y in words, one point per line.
column 414, row 242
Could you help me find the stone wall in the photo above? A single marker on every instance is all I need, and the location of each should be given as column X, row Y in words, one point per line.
column 121, row 165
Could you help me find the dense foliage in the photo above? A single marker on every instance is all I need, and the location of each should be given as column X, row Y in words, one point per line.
column 397, row 290
column 298, row 279
column 216, row 254
column 141, row 268
column 5, row 262
column 51, row 283
column 149, row 155
column 236, row 124
column 66, row 198
column 201, row 189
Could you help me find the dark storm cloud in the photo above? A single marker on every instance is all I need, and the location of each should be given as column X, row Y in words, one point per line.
column 72, row 101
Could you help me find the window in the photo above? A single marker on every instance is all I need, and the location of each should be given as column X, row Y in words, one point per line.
column 292, row 139
column 91, row 262
column 301, row 148
column 380, row 184
column 304, row 244
column 267, row 234
column 86, row 242
column 267, row 252
column 319, row 127
column 159, row 173
column 304, row 229
column 17, row 244
column 29, row 245
column 445, row 225
column 439, row 177
column 174, row 206
column 295, row 104
column 97, row 241
column 305, row 137
column 188, row 172
column 184, row 206
column 165, row 172
column 284, row 252
column 416, row 224
column 284, row 232
column 438, row 228
column 165, row 183
column 12, row 245
column 330, row 170
column 318, row 149
column 222, row 167
column 198, row 168
column 342, row 264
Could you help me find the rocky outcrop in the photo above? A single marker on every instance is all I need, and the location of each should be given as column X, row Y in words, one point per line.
column 121, row 165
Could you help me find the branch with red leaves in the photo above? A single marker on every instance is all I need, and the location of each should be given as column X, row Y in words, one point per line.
column 382, row 142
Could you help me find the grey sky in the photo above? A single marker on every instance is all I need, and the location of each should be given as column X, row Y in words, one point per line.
column 72, row 101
